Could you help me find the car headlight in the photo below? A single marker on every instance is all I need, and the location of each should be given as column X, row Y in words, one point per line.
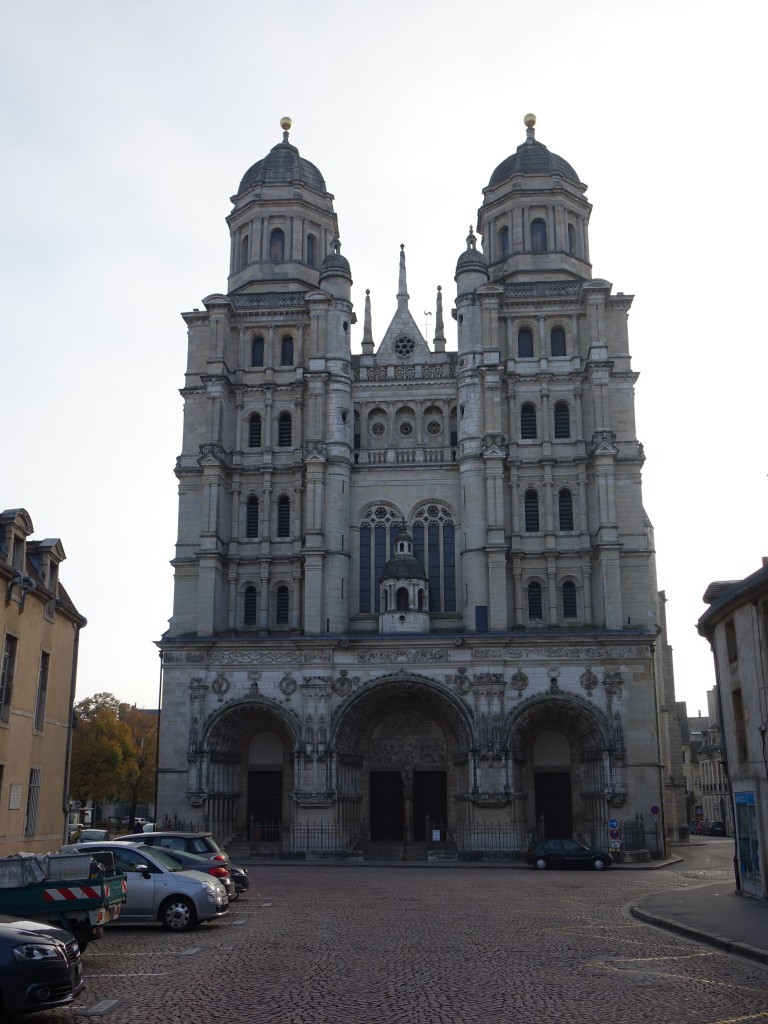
column 209, row 886
column 39, row 951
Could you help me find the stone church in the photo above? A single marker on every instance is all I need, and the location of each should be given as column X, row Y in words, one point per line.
column 415, row 587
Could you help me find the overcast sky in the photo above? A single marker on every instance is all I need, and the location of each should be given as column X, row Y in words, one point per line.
column 127, row 126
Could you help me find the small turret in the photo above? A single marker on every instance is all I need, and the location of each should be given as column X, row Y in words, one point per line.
column 403, row 590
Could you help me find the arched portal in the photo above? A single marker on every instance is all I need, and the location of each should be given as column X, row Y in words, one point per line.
column 565, row 760
column 402, row 746
column 250, row 766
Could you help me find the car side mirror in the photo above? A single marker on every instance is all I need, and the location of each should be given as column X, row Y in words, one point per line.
column 143, row 869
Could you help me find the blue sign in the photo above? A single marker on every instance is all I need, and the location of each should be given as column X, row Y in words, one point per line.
column 613, row 823
column 745, row 798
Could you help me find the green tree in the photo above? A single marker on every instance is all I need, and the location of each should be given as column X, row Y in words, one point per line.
column 103, row 752
column 140, row 777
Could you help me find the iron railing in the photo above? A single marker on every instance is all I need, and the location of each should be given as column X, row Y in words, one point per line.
column 311, row 839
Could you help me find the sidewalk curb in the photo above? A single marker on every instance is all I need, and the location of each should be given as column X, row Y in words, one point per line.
column 720, row 942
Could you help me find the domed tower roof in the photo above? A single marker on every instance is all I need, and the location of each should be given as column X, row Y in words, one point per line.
column 283, row 163
column 532, row 157
column 472, row 260
column 403, row 565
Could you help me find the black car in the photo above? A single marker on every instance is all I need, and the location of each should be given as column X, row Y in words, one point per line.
column 566, row 853
column 239, row 877
column 717, row 828
column 40, row 967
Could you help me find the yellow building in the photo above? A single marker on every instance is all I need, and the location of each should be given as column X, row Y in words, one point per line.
column 40, row 630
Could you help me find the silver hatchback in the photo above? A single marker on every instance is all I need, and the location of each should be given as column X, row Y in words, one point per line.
column 158, row 889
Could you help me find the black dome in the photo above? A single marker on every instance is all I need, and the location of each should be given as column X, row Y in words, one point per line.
column 532, row 157
column 283, row 164
column 403, row 567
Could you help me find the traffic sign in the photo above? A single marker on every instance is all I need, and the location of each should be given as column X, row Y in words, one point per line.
column 613, row 823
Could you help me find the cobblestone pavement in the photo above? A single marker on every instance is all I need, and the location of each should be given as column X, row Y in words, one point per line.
column 401, row 945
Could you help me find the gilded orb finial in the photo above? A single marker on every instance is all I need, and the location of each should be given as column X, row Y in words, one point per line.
column 529, row 120
column 285, row 123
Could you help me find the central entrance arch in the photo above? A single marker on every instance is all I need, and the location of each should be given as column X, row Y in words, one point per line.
column 406, row 741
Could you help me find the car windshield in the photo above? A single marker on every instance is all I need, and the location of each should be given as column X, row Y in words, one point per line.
column 160, row 857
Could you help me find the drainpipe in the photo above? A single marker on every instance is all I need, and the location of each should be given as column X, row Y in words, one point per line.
column 68, row 755
column 157, row 750
column 662, row 790
column 27, row 585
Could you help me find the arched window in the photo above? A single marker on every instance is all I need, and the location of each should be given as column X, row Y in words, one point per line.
column 252, row 517
column 525, row 343
column 569, row 600
column 528, row 421
column 562, row 420
column 257, row 351
column 282, row 606
column 356, row 431
column 283, row 516
column 538, row 236
column 534, row 600
column 571, row 239
column 286, row 350
column 284, row 430
column 504, row 243
column 531, row 511
column 254, row 431
column 565, row 509
column 249, row 606
column 401, row 599
column 277, row 246
column 434, row 544
column 244, row 251
column 310, row 250
column 379, row 529
column 557, row 341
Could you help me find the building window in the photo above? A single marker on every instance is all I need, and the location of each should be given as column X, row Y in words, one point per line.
column 33, row 802
column 7, row 670
column 562, row 420
column 254, row 431
column 244, row 252
column 283, row 516
column 277, row 246
column 252, row 517
column 434, row 544
column 528, row 421
column 378, row 532
column 257, row 351
column 534, row 600
column 557, row 341
column 538, row 236
column 565, row 509
column 286, row 350
column 310, row 250
column 525, row 343
column 730, row 642
column 569, row 600
column 571, row 240
column 249, row 606
column 282, row 606
column 284, row 430
column 531, row 511
column 42, row 690
column 504, row 243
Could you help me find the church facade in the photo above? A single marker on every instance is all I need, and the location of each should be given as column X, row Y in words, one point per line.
column 415, row 590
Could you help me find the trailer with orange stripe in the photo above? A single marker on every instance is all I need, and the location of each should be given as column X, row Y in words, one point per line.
column 66, row 889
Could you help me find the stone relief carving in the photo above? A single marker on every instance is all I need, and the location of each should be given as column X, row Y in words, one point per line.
column 221, row 686
column 410, row 657
column 408, row 750
column 519, row 682
column 560, row 654
column 461, row 682
column 613, row 682
column 588, row 680
column 271, row 657
column 288, row 685
column 255, row 678
column 343, row 683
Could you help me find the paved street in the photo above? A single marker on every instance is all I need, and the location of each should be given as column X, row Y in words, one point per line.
column 411, row 945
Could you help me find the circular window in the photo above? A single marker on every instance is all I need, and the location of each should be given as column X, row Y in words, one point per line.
column 344, row 416
column 377, row 429
column 404, row 346
column 406, row 429
column 433, row 427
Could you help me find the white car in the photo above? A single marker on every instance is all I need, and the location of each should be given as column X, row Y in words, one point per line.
column 158, row 889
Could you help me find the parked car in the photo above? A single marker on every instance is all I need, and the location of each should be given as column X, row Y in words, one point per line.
column 40, row 967
column 158, row 889
column 239, row 877
column 196, row 862
column 90, row 834
column 566, row 853
column 191, row 842
column 717, row 828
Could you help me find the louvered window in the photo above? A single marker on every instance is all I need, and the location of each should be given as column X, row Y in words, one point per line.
column 310, row 250
column 525, row 343
column 531, row 511
column 277, row 246
column 284, row 430
column 254, row 431
column 528, row 421
column 257, row 351
column 534, row 601
column 562, row 420
column 283, row 516
column 557, row 341
column 504, row 243
column 282, row 606
column 286, row 351
column 538, row 236
column 252, row 517
column 569, row 600
column 249, row 606
column 565, row 509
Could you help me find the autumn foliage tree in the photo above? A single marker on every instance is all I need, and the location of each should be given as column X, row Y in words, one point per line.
column 114, row 749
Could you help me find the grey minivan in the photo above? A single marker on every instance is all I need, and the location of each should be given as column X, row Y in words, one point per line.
column 158, row 889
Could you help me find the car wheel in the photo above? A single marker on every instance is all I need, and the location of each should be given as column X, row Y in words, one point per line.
column 177, row 914
column 541, row 863
column 599, row 864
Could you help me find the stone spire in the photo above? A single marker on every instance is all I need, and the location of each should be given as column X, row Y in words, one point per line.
column 367, row 342
column 402, row 287
column 439, row 338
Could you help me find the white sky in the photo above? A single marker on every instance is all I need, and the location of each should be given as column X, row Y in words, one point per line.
column 128, row 125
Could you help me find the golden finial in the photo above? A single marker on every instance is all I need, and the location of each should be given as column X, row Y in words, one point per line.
column 529, row 120
column 285, row 123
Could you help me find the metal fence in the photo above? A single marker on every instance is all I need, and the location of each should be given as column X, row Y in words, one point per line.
column 318, row 839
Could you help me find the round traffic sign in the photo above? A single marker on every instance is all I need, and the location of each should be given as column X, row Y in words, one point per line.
column 614, row 833
column 613, row 823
